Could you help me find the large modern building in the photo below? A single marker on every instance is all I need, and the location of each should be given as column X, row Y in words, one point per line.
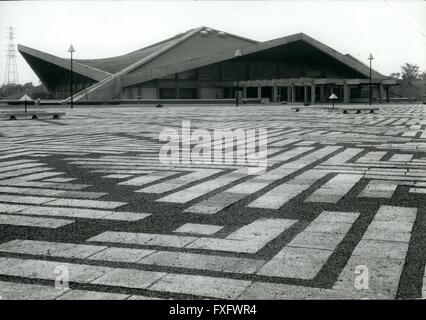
column 205, row 63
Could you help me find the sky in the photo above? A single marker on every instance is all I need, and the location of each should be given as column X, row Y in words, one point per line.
column 393, row 31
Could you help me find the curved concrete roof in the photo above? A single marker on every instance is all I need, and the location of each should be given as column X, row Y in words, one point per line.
column 118, row 63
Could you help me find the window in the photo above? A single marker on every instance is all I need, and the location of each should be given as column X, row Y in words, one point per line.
column 167, row 93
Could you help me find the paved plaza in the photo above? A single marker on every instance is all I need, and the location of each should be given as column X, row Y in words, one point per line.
column 87, row 210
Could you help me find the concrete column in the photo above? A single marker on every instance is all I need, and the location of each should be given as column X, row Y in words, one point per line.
column 197, row 75
column 387, row 93
column 221, row 77
column 274, row 93
column 381, row 92
column 244, row 92
column 293, row 93
column 305, row 93
column 177, row 86
column 259, row 92
column 346, row 94
column 288, row 93
column 312, row 93
column 322, row 94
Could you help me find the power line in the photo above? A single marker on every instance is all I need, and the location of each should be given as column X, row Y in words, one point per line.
column 406, row 20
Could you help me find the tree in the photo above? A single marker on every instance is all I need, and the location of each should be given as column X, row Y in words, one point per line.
column 410, row 71
column 395, row 75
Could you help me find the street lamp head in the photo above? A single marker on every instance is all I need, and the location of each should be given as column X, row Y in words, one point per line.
column 71, row 49
column 370, row 57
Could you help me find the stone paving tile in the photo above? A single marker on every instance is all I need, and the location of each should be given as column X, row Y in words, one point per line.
column 47, row 270
column 343, row 157
column 196, row 228
column 39, row 176
column 140, row 181
column 378, row 189
column 418, row 190
column 277, row 197
column 86, row 203
column 250, row 238
column 83, row 213
column 138, row 297
column 30, row 191
column 381, row 249
column 335, row 189
column 175, row 183
column 117, row 176
column 23, row 291
column 302, row 263
column 383, row 275
column 372, row 156
column 25, row 199
column 395, row 213
column 54, row 249
column 215, row 203
column 220, row 288
column 59, row 179
column 203, row 262
column 129, row 278
column 22, row 172
column 81, row 194
column 11, row 208
column 91, row 295
column 51, row 223
column 121, row 254
column 278, row 291
column 201, row 189
column 144, row 239
column 401, row 157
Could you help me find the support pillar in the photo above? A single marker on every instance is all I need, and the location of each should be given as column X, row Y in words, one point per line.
column 244, row 92
column 177, row 85
column 346, row 93
column 274, row 93
column 259, row 92
column 288, row 93
column 312, row 93
column 157, row 89
column 381, row 93
column 293, row 93
column 322, row 94
column 387, row 93
column 305, row 93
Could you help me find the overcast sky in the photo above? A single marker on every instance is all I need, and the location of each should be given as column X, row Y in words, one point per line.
column 394, row 31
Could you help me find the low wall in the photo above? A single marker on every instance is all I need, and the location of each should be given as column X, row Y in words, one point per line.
column 185, row 101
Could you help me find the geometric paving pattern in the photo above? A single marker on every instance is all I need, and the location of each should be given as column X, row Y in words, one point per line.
column 339, row 213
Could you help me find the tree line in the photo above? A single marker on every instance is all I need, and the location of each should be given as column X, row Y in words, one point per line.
column 409, row 72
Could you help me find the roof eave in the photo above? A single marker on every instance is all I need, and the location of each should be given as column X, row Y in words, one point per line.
column 79, row 68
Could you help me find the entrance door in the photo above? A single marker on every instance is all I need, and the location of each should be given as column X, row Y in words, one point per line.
column 266, row 92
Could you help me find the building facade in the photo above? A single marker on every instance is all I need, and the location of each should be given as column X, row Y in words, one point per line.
column 205, row 63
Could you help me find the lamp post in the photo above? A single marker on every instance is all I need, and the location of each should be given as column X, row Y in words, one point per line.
column 237, row 55
column 370, row 57
column 71, row 50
